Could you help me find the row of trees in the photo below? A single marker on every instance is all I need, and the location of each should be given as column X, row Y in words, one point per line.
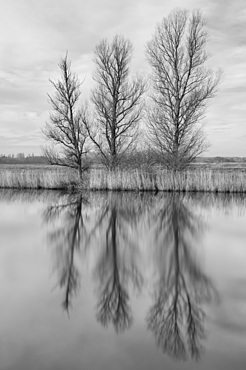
column 180, row 89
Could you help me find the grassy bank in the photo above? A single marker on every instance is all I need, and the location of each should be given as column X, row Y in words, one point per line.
column 47, row 177
column 36, row 177
column 164, row 180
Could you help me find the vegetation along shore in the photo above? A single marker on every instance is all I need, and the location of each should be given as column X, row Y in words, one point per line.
column 198, row 179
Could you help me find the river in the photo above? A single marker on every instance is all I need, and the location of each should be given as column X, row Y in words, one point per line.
column 122, row 281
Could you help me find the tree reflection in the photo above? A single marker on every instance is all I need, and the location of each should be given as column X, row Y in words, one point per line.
column 109, row 235
column 117, row 265
column 177, row 316
column 66, row 237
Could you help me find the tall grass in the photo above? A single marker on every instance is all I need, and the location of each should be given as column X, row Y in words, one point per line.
column 31, row 178
column 164, row 180
column 132, row 179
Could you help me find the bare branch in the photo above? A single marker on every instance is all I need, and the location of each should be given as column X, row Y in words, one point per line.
column 182, row 87
column 116, row 99
column 67, row 124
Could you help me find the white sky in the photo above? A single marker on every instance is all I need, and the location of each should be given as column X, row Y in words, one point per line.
column 35, row 34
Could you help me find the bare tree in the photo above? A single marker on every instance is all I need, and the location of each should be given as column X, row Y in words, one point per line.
column 117, row 101
column 66, row 127
column 181, row 87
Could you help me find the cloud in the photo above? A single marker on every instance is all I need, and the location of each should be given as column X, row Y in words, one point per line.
column 38, row 33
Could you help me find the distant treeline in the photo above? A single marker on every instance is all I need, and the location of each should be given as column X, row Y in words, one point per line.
column 139, row 158
column 24, row 160
column 220, row 159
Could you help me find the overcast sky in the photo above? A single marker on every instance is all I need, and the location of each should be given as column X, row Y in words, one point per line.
column 35, row 34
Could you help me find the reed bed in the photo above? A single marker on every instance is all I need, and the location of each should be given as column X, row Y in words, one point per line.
column 164, row 180
column 31, row 178
column 198, row 180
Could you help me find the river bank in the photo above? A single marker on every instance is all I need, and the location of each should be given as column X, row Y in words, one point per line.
column 195, row 180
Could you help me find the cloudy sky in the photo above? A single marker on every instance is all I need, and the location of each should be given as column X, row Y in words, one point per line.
column 35, row 34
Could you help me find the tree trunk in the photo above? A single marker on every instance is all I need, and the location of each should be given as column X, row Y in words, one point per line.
column 80, row 171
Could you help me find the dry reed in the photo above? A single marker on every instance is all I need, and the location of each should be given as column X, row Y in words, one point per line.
column 164, row 180
column 203, row 180
column 32, row 178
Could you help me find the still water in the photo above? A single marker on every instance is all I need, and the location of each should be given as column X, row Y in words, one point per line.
column 122, row 281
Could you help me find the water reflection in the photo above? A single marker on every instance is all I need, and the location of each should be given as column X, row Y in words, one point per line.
column 112, row 229
column 149, row 265
column 177, row 318
column 117, row 264
column 66, row 237
column 108, row 227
